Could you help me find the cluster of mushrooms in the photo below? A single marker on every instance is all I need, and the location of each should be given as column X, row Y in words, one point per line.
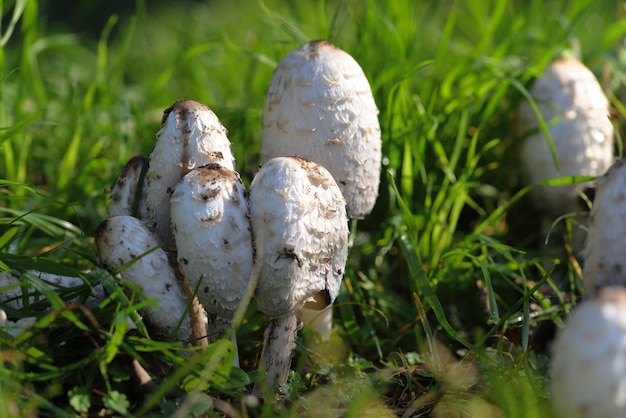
column 588, row 365
column 182, row 227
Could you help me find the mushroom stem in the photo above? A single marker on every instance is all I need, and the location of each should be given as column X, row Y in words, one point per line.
column 278, row 342
column 197, row 314
column 198, row 336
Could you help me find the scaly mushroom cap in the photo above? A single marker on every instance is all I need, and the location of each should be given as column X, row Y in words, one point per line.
column 576, row 111
column 212, row 230
column 124, row 197
column 190, row 136
column 124, row 239
column 300, row 232
column 588, row 367
column 319, row 106
column 606, row 240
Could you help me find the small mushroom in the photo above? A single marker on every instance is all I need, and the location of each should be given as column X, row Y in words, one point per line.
column 588, row 371
column 128, row 196
column 300, row 231
column 125, row 243
column 12, row 292
column 15, row 328
column 606, row 240
column 319, row 106
column 209, row 210
column 190, row 136
column 576, row 111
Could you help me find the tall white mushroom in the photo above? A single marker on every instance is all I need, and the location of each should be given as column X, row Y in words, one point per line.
column 300, row 232
column 210, row 221
column 190, row 136
column 124, row 242
column 591, row 348
column 319, row 106
column 576, row 111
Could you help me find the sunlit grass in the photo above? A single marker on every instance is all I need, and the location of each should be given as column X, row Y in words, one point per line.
column 443, row 292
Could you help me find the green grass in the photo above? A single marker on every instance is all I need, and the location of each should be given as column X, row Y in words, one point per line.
column 442, row 301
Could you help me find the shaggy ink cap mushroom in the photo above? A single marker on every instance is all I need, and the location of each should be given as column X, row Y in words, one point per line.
column 576, row 112
column 209, row 210
column 13, row 294
column 125, row 242
column 128, row 195
column 319, row 106
column 190, row 136
column 604, row 263
column 15, row 328
column 300, row 231
column 588, row 371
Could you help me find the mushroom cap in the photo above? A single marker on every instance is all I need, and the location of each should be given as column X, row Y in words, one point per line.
column 124, row 239
column 300, row 232
column 124, row 199
column 588, row 367
column 190, row 136
column 15, row 328
column 212, row 230
column 319, row 106
column 576, row 111
column 13, row 294
column 606, row 238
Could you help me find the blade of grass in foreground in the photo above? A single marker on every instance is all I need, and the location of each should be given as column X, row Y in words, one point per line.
column 418, row 280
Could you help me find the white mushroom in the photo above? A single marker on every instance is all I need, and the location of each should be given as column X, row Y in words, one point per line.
column 124, row 243
column 576, row 111
column 14, row 328
column 128, row 196
column 606, row 241
column 12, row 292
column 190, row 136
column 588, row 367
column 319, row 106
column 209, row 210
column 300, row 232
